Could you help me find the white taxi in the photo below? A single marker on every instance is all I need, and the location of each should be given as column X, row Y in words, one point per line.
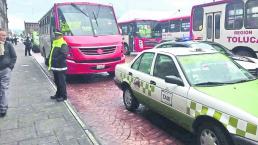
column 203, row 91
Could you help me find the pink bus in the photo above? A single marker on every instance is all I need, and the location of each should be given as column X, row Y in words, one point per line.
column 177, row 28
column 139, row 34
column 91, row 32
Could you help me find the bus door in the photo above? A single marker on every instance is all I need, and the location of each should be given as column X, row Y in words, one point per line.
column 131, row 37
column 213, row 26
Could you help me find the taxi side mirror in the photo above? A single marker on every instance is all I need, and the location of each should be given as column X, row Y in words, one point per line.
column 174, row 80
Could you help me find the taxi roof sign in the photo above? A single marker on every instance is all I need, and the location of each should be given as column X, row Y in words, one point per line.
column 197, row 50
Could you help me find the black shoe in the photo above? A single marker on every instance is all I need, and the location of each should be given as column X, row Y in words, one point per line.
column 3, row 114
column 60, row 99
column 53, row 97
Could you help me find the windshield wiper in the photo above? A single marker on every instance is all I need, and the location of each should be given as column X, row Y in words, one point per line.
column 242, row 81
column 95, row 18
column 87, row 15
column 210, row 83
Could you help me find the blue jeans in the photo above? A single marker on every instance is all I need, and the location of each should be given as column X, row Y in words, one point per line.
column 5, row 75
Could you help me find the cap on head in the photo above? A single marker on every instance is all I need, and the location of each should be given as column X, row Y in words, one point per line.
column 58, row 33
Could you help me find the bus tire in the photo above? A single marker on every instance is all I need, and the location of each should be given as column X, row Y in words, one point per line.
column 126, row 50
column 212, row 133
column 111, row 74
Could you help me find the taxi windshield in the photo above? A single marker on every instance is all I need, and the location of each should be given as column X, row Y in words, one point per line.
column 212, row 69
column 80, row 20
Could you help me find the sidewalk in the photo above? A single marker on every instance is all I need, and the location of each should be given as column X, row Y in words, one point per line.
column 33, row 118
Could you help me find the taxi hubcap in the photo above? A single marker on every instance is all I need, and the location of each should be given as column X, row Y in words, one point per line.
column 208, row 137
column 128, row 98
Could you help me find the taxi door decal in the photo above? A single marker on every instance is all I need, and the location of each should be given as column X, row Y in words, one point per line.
column 166, row 97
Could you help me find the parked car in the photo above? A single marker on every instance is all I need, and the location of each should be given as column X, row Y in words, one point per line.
column 249, row 63
column 202, row 90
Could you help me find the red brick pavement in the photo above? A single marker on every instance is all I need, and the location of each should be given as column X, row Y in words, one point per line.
column 100, row 104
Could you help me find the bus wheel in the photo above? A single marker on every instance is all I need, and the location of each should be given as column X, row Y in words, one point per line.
column 244, row 53
column 126, row 50
column 130, row 102
column 112, row 73
column 212, row 134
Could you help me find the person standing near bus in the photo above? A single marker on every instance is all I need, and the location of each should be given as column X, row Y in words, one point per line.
column 57, row 63
column 7, row 61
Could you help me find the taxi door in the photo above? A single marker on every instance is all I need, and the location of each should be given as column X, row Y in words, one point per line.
column 173, row 98
column 140, row 71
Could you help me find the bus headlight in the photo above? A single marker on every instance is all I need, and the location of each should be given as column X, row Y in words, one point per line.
column 70, row 53
column 141, row 44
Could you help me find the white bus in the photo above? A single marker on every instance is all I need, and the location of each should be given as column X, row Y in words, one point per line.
column 233, row 23
column 176, row 28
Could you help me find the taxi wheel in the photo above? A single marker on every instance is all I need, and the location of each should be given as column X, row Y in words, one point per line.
column 130, row 102
column 212, row 134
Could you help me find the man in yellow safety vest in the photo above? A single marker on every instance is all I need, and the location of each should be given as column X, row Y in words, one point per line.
column 57, row 63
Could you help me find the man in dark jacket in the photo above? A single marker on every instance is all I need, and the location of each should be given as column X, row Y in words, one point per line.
column 28, row 46
column 57, row 63
column 7, row 60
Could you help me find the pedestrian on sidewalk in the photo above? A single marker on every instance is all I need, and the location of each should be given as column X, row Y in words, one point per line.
column 15, row 40
column 7, row 61
column 28, row 46
column 57, row 63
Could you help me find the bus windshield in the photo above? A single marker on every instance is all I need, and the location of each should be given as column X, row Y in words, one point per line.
column 81, row 20
column 145, row 29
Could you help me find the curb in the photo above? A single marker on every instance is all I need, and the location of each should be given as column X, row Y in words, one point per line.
column 71, row 109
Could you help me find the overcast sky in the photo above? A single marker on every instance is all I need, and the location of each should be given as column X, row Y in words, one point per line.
column 32, row 10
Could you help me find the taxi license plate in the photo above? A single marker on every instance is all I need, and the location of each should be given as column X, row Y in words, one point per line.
column 100, row 66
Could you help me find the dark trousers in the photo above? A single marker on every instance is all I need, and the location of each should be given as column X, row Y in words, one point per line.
column 59, row 78
column 27, row 50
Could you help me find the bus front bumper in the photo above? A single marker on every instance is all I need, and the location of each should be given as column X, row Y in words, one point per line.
column 91, row 68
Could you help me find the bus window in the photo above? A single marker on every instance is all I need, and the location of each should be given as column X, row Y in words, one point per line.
column 197, row 18
column 157, row 30
column 99, row 21
column 175, row 26
column 124, row 29
column 130, row 29
column 234, row 15
column 251, row 17
column 144, row 30
column 209, row 27
column 217, row 26
column 165, row 27
column 185, row 25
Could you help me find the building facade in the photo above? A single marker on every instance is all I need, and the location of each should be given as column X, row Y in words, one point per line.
column 3, row 15
column 31, row 27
